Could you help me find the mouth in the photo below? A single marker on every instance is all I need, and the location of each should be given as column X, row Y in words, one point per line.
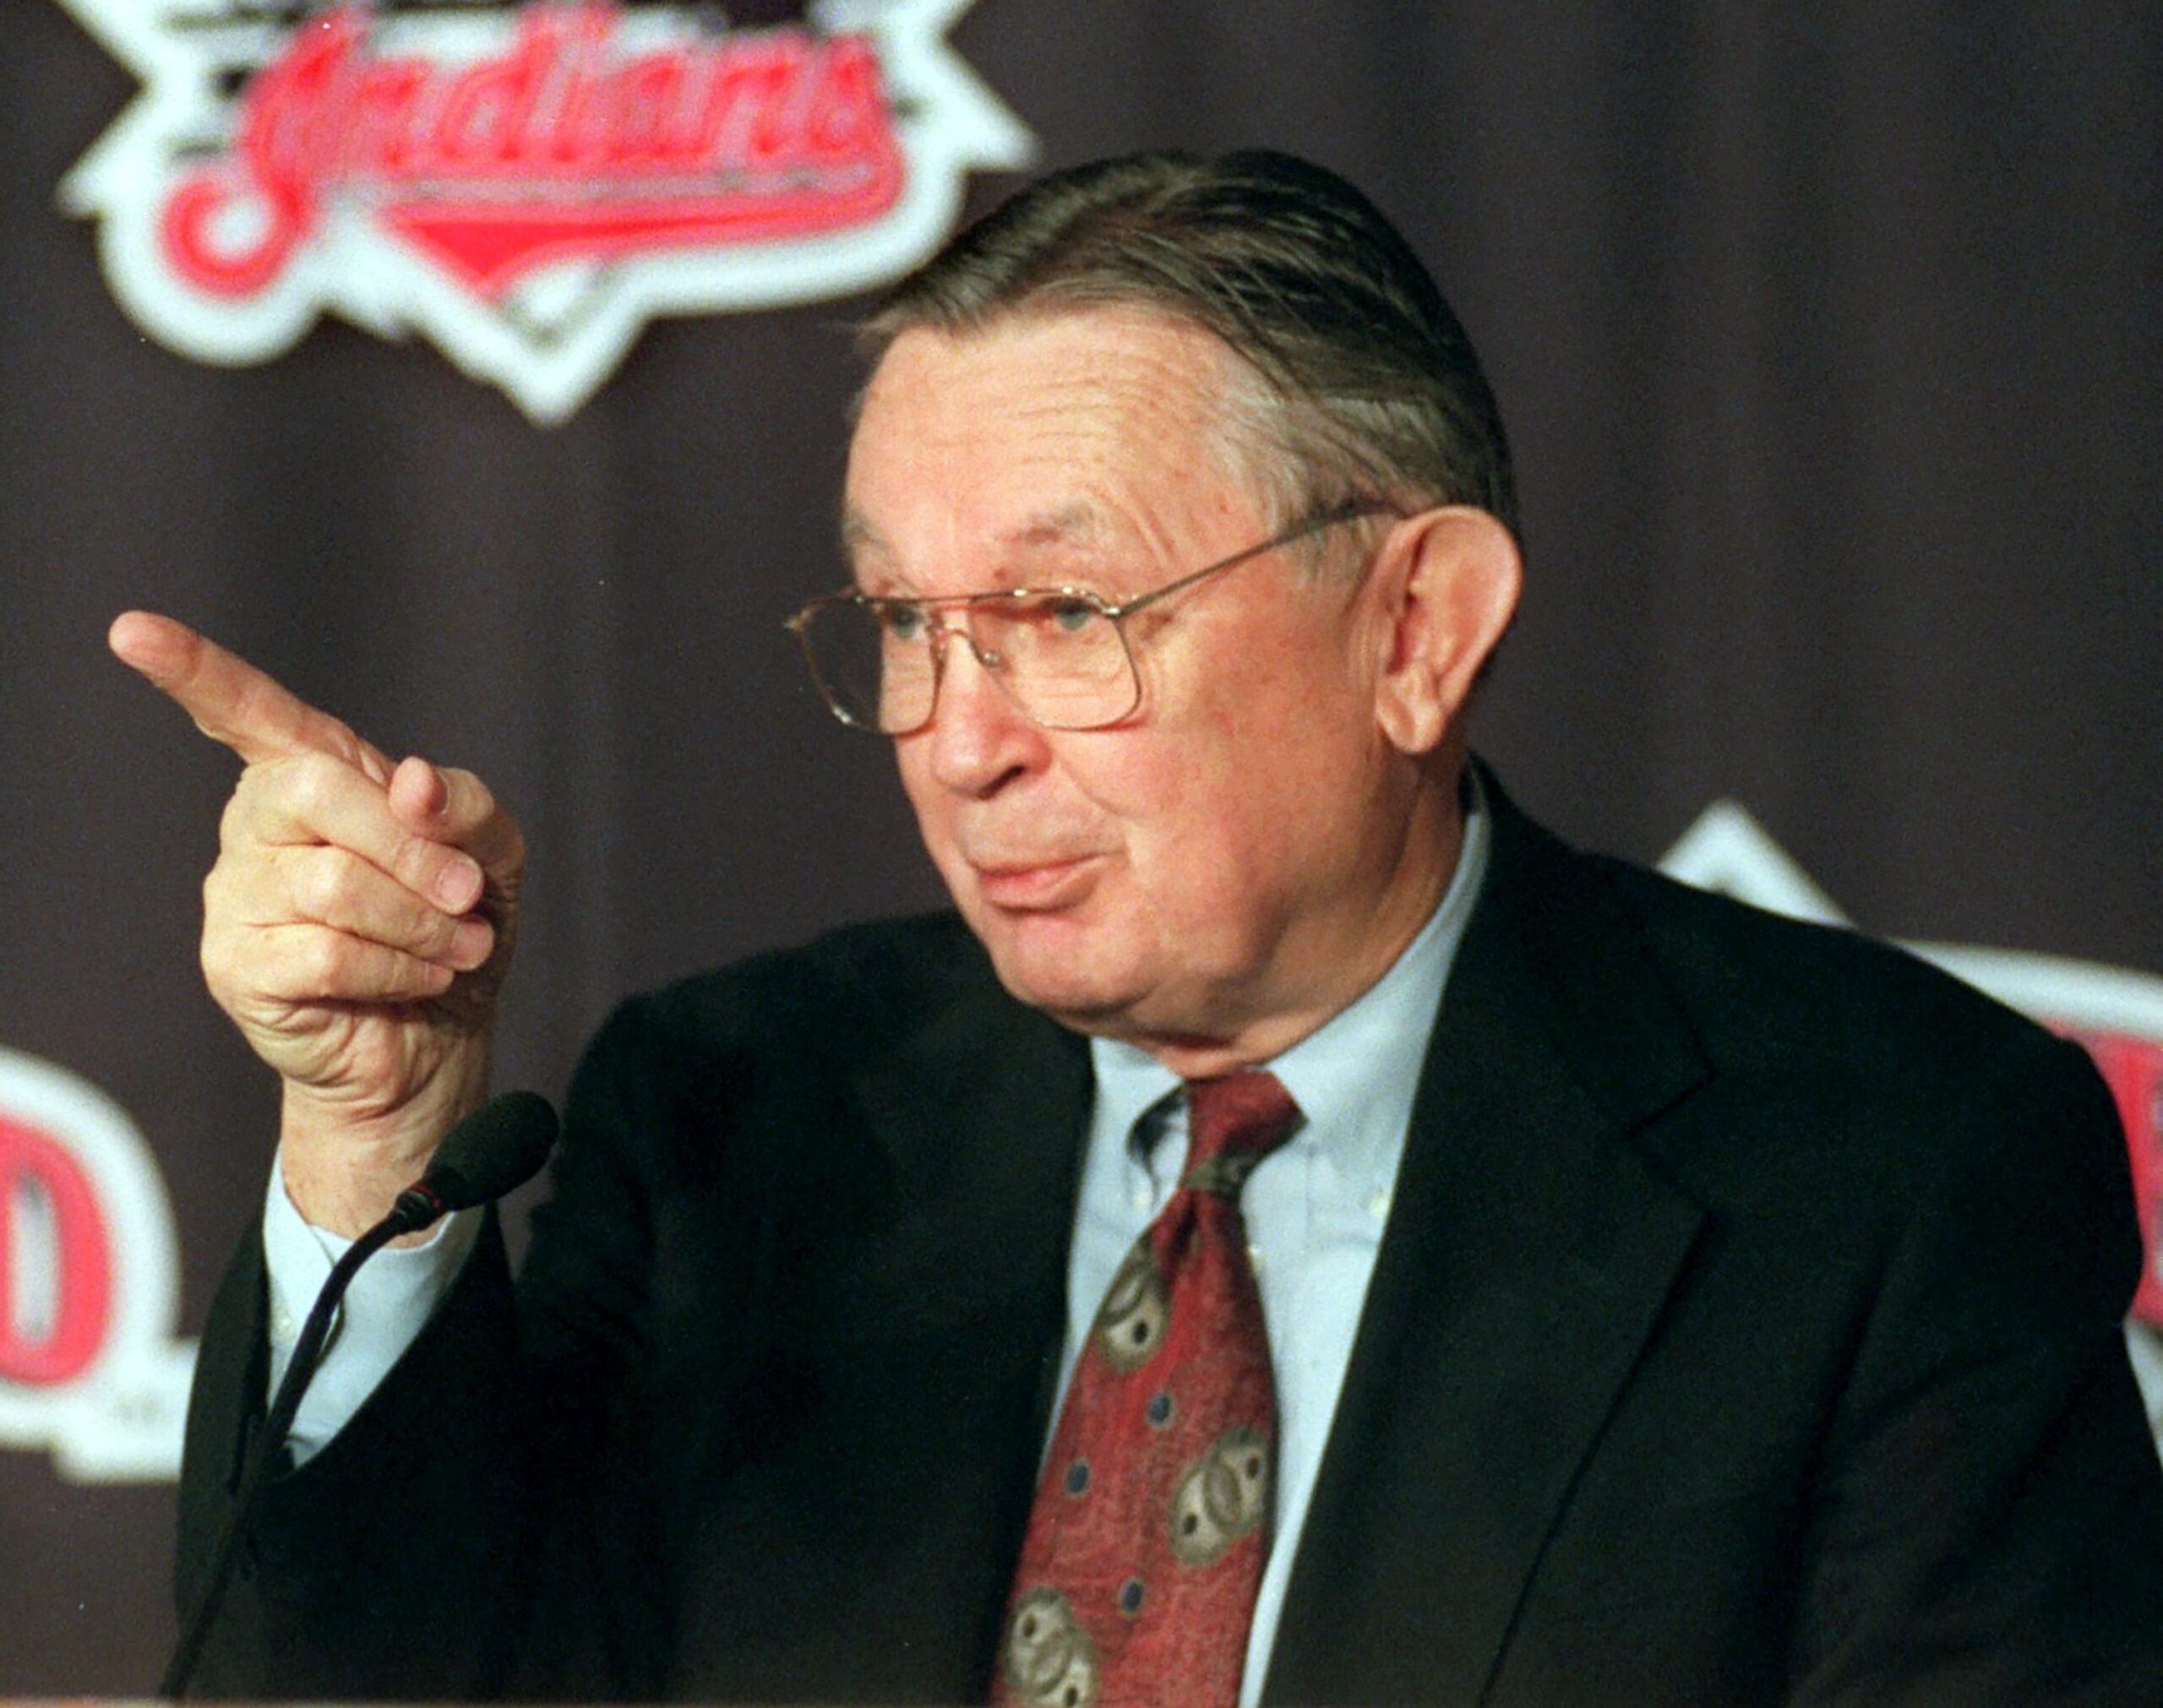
column 1034, row 886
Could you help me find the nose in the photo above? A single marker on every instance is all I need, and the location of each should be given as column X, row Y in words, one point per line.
column 979, row 740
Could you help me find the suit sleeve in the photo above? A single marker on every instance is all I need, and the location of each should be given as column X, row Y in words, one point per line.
column 1989, row 1529
column 466, row 1533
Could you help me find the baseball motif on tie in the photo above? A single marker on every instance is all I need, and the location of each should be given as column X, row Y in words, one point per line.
column 1131, row 1325
column 1146, row 1545
column 1224, row 1494
column 1048, row 1655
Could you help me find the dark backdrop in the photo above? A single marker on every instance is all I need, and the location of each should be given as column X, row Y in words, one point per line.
column 1827, row 336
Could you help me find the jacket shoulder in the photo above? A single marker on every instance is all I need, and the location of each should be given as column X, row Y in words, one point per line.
column 1790, row 1051
column 847, row 992
column 1809, row 991
column 1881, row 1084
column 769, row 1049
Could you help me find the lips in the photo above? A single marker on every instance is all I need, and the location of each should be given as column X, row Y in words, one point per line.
column 1034, row 886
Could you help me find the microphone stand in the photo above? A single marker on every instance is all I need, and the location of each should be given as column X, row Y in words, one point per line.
column 490, row 1153
column 263, row 1455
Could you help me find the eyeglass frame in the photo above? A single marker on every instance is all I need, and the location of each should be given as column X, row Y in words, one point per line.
column 1349, row 510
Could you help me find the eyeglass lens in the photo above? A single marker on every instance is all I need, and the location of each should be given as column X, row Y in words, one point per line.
column 1060, row 659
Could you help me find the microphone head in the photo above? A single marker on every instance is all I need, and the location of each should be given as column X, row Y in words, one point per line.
column 495, row 1149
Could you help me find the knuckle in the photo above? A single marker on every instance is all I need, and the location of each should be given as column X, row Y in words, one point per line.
column 344, row 736
column 236, row 884
column 221, row 896
column 214, row 956
column 320, row 960
column 227, row 967
column 324, row 887
column 236, row 822
column 312, row 782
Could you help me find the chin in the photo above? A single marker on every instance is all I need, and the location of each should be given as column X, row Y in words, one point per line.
column 1061, row 977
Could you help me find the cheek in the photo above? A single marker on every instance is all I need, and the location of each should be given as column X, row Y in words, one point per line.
column 1260, row 811
column 931, row 804
column 1209, row 828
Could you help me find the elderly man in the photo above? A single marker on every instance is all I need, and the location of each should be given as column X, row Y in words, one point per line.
column 1301, row 1235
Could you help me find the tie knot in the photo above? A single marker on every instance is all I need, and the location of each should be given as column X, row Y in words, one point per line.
column 1233, row 1122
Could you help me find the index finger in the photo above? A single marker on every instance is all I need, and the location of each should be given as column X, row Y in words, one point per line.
column 230, row 700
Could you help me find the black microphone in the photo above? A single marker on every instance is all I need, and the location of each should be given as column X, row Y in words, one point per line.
column 496, row 1149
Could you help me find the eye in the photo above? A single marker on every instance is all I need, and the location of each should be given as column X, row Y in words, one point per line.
column 903, row 622
column 1071, row 616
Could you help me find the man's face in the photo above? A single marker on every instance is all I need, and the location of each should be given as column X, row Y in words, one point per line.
column 1215, row 868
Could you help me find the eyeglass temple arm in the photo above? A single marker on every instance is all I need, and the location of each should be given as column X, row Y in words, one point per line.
column 1336, row 516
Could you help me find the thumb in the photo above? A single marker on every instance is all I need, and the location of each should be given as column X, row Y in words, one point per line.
column 448, row 805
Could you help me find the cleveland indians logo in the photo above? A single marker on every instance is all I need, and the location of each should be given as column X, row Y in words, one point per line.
column 524, row 185
column 89, row 1283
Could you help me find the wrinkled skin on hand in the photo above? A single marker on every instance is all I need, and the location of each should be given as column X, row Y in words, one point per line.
column 357, row 924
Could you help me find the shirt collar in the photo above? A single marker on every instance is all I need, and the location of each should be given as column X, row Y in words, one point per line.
column 1354, row 1077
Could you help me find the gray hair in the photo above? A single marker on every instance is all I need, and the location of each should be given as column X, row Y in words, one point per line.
column 1369, row 387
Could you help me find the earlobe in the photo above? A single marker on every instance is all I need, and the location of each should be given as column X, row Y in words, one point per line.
column 1453, row 575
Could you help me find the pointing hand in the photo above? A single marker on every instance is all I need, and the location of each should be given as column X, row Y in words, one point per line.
column 358, row 923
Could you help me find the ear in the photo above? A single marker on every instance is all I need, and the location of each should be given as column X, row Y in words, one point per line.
column 1446, row 581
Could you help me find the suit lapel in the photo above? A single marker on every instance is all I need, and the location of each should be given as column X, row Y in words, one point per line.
column 865, row 1546
column 1529, row 1251
column 982, row 1115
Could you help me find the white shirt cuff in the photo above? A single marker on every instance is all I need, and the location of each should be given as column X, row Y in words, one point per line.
column 396, row 1293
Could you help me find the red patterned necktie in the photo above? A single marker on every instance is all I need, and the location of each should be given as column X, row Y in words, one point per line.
column 1146, row 1544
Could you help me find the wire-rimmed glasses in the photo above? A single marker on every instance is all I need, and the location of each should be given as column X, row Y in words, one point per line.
column 1060, row 654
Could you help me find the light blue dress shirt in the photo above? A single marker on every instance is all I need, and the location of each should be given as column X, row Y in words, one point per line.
column 1315, row 1208
column 1314, row 1213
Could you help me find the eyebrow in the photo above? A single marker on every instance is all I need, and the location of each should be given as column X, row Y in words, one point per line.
column 1079, row 522
column 857, row 530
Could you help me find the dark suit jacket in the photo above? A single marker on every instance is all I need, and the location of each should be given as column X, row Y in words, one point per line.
column 1747, row 1330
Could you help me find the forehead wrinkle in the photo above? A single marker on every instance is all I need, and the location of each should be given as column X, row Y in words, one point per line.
column 1088, row 430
